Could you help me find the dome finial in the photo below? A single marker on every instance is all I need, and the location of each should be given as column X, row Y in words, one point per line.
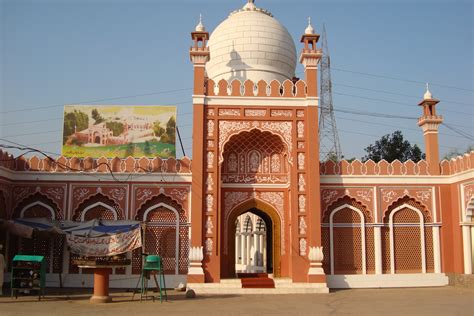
column 309, row 29
column 428, row 95
column 250, row 5
column 200, row 27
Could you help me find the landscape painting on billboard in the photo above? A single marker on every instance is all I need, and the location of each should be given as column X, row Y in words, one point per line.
column 119, row 131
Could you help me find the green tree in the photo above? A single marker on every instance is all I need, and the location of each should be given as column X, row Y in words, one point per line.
column 392, row 147
column 129, row 150
column 157, row 129
column 147, row 148
column 74, row 121
column 96, row 116
column 116, row 127
column 171, row 130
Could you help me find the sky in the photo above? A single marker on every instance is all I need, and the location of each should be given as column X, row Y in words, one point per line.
column 136, row 52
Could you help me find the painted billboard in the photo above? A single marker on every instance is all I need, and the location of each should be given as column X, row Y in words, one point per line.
column 119, row 131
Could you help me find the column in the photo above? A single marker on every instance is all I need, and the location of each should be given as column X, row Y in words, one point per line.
column 244, row 248
column 378, row 249
column 237, row 248
column 466, row 238
column 248, row 249
column 436, row 250
column 261, row 250
column 255, row 249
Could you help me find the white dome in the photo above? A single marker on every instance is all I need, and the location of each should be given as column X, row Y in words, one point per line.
column 251, row 44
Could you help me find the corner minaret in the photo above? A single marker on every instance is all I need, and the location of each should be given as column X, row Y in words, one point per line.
column 430, row 122
column 199, row 54
column 310, row 56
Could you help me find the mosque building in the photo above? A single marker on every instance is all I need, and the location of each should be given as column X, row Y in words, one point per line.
column 255, row 198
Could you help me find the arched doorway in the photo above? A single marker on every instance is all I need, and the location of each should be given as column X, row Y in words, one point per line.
column 253, row 250
column 273, row 237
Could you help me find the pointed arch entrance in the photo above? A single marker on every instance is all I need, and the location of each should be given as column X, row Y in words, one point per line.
column 273, row 243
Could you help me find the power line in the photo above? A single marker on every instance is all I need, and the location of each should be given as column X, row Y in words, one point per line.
column 400, row 79
column 443, row 101
column 395, row 102
column 404, row 128
column 33, row 133
column 31, row 122
column 95, row 100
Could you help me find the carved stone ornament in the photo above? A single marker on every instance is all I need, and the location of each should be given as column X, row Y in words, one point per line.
column 301, row 183
column 80, row 193
column 229, row 112
column 301, row 161
column 196, row 254
column 209, row 203
column 209, row 225
column 328, row 195
column 118, row 194
column 209, row 246
column 210, row 159
column 300, row 129
column 282, row 113
column 303, row 247
column 365, row 195
column 255, row 112
column 316, row 254
column 210, row 128
column 209, row 183
column 211, row 112
column 302, row 203
column 302, row 226
column 276, row 164
column 424, row 195
column 229, row 128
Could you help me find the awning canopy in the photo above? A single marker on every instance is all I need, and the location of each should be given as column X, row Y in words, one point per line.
column 24, row 227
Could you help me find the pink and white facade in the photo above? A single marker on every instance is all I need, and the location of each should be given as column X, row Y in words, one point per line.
column 256, row 151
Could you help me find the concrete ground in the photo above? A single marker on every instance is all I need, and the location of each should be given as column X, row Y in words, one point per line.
column 410, row 301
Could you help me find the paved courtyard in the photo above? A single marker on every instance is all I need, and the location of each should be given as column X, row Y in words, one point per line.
column 420, row 301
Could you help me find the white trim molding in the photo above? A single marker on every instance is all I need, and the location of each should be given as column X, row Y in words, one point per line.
column 48, row 207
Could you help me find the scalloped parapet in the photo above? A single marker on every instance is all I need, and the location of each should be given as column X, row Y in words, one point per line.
column 99, row 165
column 458, row 164
column 248, row 88
column 395, row 168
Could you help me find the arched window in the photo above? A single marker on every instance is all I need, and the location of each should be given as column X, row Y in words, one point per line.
column 39, row 206
column 347, row 239
column 407, row 242
column 166, row 234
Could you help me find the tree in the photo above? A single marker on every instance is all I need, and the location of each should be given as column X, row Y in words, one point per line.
column 129, row 150
column 96, row 116
column 157, row 129
column 171, row 130
column 392, row 147
column 74, row 121
column 116, row 128
column 147, row 148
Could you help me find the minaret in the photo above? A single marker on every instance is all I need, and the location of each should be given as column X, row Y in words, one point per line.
column 430, row 122
column 199, row 54
column 310, row 56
